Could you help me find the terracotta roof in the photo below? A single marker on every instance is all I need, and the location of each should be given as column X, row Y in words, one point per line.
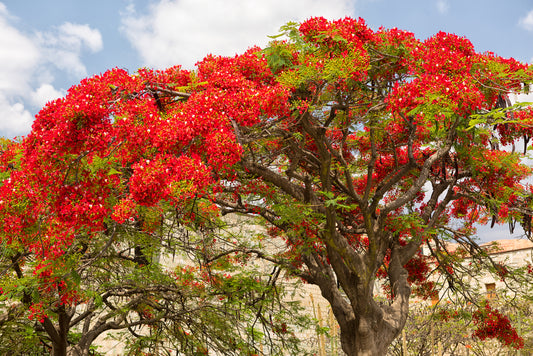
column 500, row 246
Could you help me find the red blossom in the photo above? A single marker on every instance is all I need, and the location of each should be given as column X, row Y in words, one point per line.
column 490, row 323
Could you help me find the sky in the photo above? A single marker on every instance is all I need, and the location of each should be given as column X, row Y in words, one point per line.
column 48, row 46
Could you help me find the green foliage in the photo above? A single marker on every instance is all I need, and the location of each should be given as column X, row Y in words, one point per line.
column 17, row 334
column 279, row 56
column 497, row 116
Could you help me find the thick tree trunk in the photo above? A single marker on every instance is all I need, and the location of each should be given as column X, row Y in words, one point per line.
column 367, row 328
column 59, row 348
column 369, row 332
column 364, row 337
column 58, row 338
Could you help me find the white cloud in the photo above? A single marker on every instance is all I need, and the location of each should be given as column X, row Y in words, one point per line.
column 443, row 6
column 527, row 21
column 18, row 56
column 63, row 47
column 77, row 35
column 26, row 78
column 44, row 94
column 15, row 119
column 184, row 31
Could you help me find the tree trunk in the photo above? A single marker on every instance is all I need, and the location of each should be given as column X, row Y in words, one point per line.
column 365, row 337
column 77, row 351
column 59, row 348
column 58, row 338
column 367, row 328
column 59, row 335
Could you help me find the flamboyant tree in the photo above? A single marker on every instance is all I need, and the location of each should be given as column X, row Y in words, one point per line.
column 106, row 224
column 357, row 147
column 387, row 144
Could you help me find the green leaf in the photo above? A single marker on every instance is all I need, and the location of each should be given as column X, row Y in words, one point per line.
column 112, row 171
column 339, row 38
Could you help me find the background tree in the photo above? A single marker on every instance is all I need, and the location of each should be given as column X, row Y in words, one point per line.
column 106, row 225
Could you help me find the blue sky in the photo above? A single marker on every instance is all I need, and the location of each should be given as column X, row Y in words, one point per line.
column 48, row 46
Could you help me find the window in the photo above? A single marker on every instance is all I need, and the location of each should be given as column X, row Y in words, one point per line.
column 491, row 290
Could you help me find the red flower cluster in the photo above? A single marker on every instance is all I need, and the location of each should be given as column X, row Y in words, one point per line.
column 37, row 312
column 491, row 323
column 333, row 34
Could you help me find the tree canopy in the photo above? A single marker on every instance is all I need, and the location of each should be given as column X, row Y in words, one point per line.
column 355, row 147
column 108, row 222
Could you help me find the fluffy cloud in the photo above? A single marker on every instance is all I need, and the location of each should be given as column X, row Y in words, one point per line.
column 184, row 31
column 26, row 77
column 64, row 45
column 18, row 56
column 16, row 120
column 44, row 94
column 527, row 21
